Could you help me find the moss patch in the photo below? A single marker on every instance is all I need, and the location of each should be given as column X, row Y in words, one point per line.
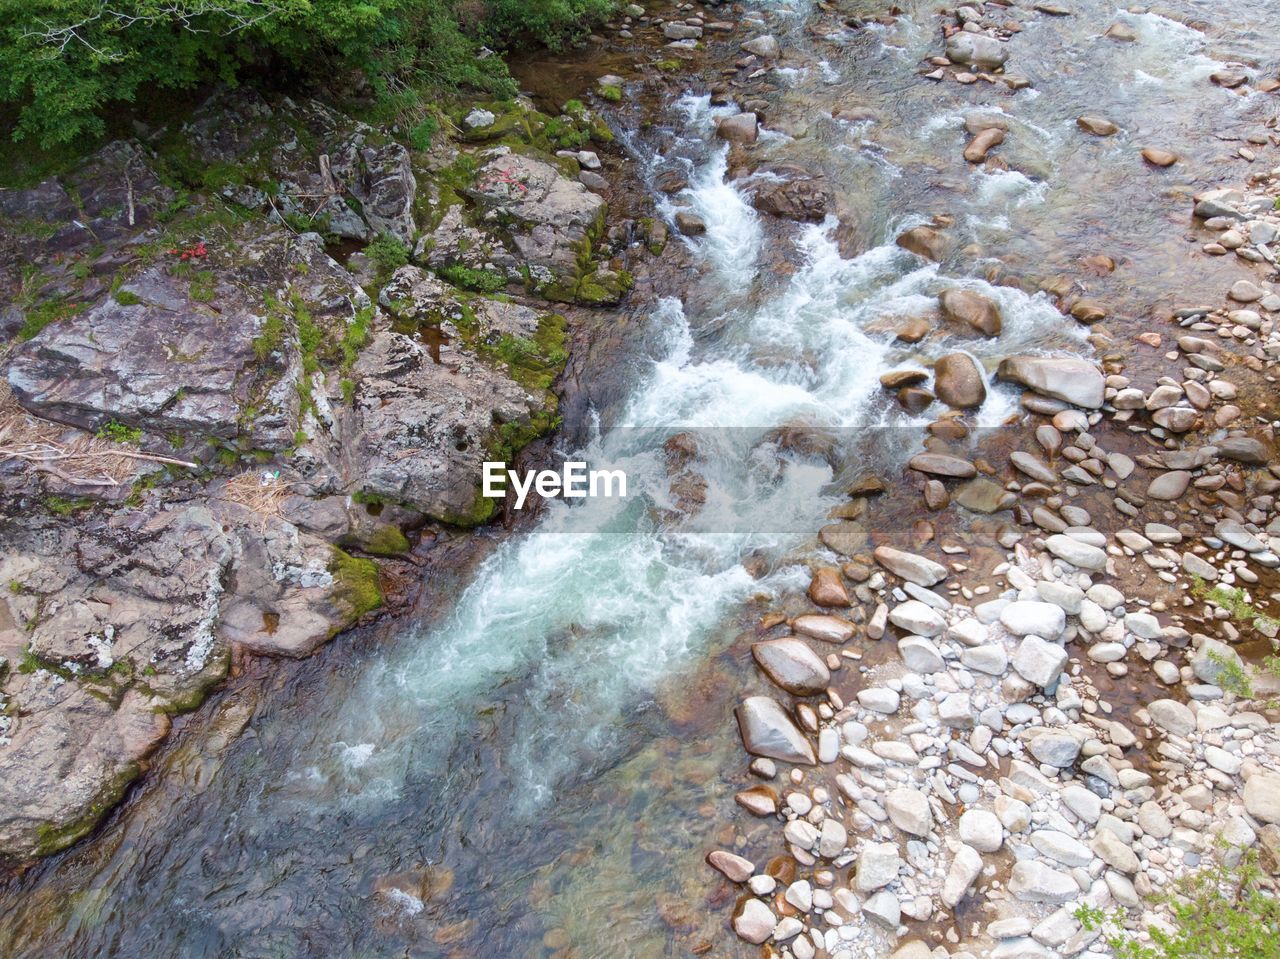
column 355, row 583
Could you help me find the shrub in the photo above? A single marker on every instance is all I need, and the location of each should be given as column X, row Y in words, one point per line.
column 118, row 432
column 482, row 281
column 387, row 253
column 64, row 64
column 1218, row 912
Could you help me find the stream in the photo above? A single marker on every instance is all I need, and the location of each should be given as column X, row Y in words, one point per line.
column 539, row 765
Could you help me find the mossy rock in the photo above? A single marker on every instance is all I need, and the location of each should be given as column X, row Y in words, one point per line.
column 355, row 583
column 386, row 540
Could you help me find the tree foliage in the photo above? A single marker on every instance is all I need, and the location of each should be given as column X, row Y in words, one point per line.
column 65, row 64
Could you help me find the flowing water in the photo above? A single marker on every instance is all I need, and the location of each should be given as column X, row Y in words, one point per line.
column 539, row 765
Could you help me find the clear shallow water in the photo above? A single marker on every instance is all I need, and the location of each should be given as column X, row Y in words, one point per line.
column 545, row 758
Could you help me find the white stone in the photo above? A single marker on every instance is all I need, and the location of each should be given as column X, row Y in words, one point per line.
column 920, row 654
column 909, row 810
column 981, row 829
column 1027, row 618
column 878, row 865
column 754, row 921
column 990, row 659
column 1033, row 881
column 965, row 868
column 1038, row 661
column 917, row 618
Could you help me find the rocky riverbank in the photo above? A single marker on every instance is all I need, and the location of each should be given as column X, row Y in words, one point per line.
column 256, row 356
column 1049, row 698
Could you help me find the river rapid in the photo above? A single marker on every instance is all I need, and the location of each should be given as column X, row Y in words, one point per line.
column 537, row 764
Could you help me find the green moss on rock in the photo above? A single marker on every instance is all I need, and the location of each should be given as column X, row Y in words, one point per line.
column 355, row 583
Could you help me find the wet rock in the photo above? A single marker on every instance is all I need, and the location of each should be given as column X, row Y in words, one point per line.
column 924, row 241
column 976, row 50
column 914, row 569
column 940, row 464
column 792, row 665
column 798, row 197
column 977, row 149
column 765, row 46
column 690, row 224
column 1071, row 380
column 958, row 381
column 983, row 496
column 740, row 128
column 1158, row 157
column 1242, row 449
column 1169, row 486
column 734, row 867
column 768, row 731
column 846, row 538
column 974, row 310
column 829, row 629
column 827, row 588
column 1097, row 126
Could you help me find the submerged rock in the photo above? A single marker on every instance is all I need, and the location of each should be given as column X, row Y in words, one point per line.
column 972, row 309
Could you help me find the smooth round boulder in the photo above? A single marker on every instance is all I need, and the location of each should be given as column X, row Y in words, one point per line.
column 974, row 310
column 792, row 665
column 958, row 381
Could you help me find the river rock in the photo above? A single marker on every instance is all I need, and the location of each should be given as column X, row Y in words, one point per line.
column 920, row 655
column 1078, row 554
column 977, row 149
column 1172, row 716
column 765, row 46
column 1170, row 485
column 1061, row 848
column 827, row 588
column 1024, row 618
column 734, row 867
column 1159, row 157
column 1115, row 852
column 1071, row 380
column 754, row 921
column 924, row 241
column 791, row 664
column 768, row 731
column 829, row 629
column 917, row 618
column 1242, row 449
column 981, row 829
column 958, row 381
column 974, row 310
column 964, row 870
column 878, row 865
column 1262, row 797
column 940, row 464
column 1033, row 881
column 1213, row 659
column 1038, row 661
column 1055, row 748
column 796, row 196
column 847, row 538
column 908, row 809
column 976, row 49
column 740, row 128
column 914, row 569
column 1097, row 126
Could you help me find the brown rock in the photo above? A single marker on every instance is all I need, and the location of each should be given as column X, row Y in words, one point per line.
column 897, row 379
column 973, row 309
column 1097, row 126
column 1088, row 311
column 940, row 464
column 982, row 144
column 1157, row 157
column 924, row 241
column 913, row 399
column 958, row 381
column 827, row 588
column 740, row 128
column 913, row 330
